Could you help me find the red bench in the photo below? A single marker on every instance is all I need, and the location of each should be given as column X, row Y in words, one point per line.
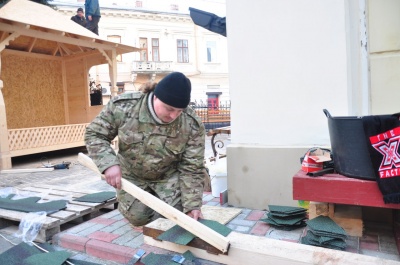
column 338, row 189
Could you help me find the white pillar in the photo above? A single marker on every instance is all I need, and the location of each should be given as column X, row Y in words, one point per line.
column 5, row 159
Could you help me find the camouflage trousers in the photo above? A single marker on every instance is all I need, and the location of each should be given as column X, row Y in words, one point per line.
column 138, row 213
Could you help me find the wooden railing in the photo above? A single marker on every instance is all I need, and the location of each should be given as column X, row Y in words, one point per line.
column 42, row 139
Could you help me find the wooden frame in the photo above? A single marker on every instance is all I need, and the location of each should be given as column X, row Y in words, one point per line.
column 249, row 249
column 58, row 39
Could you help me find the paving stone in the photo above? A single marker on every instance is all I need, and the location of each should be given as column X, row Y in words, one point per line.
column 388, row 247
column 242, row 229
column 104, row 221
column 260, row 229
column 387, row 238
column 123, row 229
column 352, row 249
column 118, row 217
column 136, row 242
column 122, row 239
column 114, row 226
column 110, row 214
column 91, row 229
column 71, row 241
column 255, row 215
column 79, row 228
column 103, row 236
column 379, row 254
column 242, row 222
column 108, row 251
column 353, row 242
column 208, row 198
column 245, row 212
column 281, row 234
column 368, row 237
column 365, row 245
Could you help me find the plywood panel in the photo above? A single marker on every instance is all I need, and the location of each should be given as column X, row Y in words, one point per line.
column 77, row 87
column 32, row 91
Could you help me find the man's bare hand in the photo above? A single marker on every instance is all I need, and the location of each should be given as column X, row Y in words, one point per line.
column 89, row 18
column 195, row 214
column 113, row 176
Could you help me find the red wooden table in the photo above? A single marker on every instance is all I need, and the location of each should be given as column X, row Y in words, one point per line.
column 335, row 188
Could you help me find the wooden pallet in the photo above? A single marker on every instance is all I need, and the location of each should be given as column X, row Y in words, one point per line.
column 9, row 219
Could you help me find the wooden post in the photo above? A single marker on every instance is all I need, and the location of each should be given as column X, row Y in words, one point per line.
column 5, row 159
column 112, row 69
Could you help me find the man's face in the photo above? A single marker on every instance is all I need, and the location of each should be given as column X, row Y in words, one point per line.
column 165, row 112
column 80, row 13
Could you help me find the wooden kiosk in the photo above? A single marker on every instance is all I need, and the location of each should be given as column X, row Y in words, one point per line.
column 44, row 88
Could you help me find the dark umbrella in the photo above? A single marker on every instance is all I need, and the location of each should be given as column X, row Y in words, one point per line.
column 208, row 21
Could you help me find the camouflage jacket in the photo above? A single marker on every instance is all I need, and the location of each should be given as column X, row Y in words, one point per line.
column 149, row 151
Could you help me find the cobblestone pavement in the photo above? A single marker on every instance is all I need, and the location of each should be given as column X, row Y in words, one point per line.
column 110, row 239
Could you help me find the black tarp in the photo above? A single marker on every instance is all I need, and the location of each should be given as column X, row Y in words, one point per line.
column 208, row 21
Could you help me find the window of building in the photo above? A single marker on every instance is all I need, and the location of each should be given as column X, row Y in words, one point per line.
column 183, row 51
column 143, row 49
column 139, row 4
column 211, row 51
column 117, row 39
column 155, row 50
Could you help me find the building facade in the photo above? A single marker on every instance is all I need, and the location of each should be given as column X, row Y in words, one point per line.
column 306, row 56
column 169, row 41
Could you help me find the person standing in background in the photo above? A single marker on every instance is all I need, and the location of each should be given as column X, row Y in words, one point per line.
column 79, row 17
column 92, row 10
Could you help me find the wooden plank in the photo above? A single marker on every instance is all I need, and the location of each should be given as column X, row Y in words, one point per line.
column 335, row 188
column 43, row 236
column 18, row 216
column 79, row 209
column 61, row 188
column 64, row 215
column 183, row 220
column 250, row 249
column 25, row 170
column 349, row 217
column 220, row 214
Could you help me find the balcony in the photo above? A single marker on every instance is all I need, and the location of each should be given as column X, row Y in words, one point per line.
column 140, row 67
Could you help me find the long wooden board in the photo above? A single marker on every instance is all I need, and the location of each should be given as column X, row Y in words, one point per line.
column 249, row 249
column 183, row 220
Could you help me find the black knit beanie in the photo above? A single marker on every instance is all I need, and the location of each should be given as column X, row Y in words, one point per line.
column 174, row 90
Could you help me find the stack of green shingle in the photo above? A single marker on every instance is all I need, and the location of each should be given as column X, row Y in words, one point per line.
column 324, row 232
column 285, row 217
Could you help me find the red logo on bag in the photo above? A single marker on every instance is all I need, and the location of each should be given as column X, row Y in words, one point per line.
column 389, row 149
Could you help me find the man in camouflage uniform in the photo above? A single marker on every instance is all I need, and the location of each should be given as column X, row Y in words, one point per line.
column 161, row 147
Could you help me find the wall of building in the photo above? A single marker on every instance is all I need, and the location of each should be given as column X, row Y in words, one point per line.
column 288, row 60
column 384, row 49
column 33, row 91
column 159, row 21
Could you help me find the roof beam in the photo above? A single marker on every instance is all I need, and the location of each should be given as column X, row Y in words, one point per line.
column 55, row 51
column 25, row 31
column 7, row 40
column 65, row 48
column 31, row 45
column 106, row 56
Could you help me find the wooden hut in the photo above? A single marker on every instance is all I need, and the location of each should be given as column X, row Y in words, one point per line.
column 44, row 84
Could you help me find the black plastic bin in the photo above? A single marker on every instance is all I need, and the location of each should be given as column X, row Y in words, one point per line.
column 350, row 147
